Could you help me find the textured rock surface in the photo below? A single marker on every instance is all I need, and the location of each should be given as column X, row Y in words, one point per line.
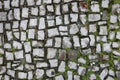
column 59, row 40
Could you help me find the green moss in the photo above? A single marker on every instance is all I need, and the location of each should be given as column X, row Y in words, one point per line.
column 67, row 49
column 28, row 39
column 96, row 33
column 117, row 1
column 1, row 55
column 98, row 77
column 85, row 77
column 14, row 50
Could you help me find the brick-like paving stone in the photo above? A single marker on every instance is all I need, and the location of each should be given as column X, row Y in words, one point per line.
column 59, row 40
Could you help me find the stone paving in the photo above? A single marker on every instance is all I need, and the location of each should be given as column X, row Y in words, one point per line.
column 59, row 40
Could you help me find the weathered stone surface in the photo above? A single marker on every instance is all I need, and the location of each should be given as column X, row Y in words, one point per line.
column 59, row 39
column 62, row 67
column 38, row 52
column 93, row 17
column 3, row 16
column 51, row 53
column 60, row 77
column 72, row 65
column 81, row 70
column 39, row 73
column 103, row 74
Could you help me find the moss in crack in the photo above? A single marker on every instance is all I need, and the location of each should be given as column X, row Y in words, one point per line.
column 116, row 1
column 98, row 77
column 67, row 49
column 1, row 55
column 14, row 50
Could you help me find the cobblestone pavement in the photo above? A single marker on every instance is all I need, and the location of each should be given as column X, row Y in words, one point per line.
column 59, row 40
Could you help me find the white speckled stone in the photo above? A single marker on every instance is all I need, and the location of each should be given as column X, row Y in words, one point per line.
column 81, row 70
column 103, row 74
column 93, row 17
column 57, row 42
column 66, row 42
column 1, row 60
column 17, row 45
column 15, row 3
column 30, row 2
column 49, row 43
column 1, row 27
column 74, row 17
column 61, row 67
column 76, row 41
column 17, row 13
column 113, row 18
column 84, row 42
column 53, row 63
column 82, row 60
column 22, row 75
column 41, row 64
column 27, row 47
column 33, row 22
column 73, row 29
column 107, row 47
column 34, row 11
column 41, row 35
column 19, row 54
column 118, row 35
column 39, row 73
column 25, row 12
column 70, row 75
column 11, row 72
column 50, row 72
column 38, row 52
column 72, row 65
column 105, row 3
column 9, row 56
column 60, row 77
column 95, row 8
column 28, row 58
column 84, row 31
column 53, row 32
